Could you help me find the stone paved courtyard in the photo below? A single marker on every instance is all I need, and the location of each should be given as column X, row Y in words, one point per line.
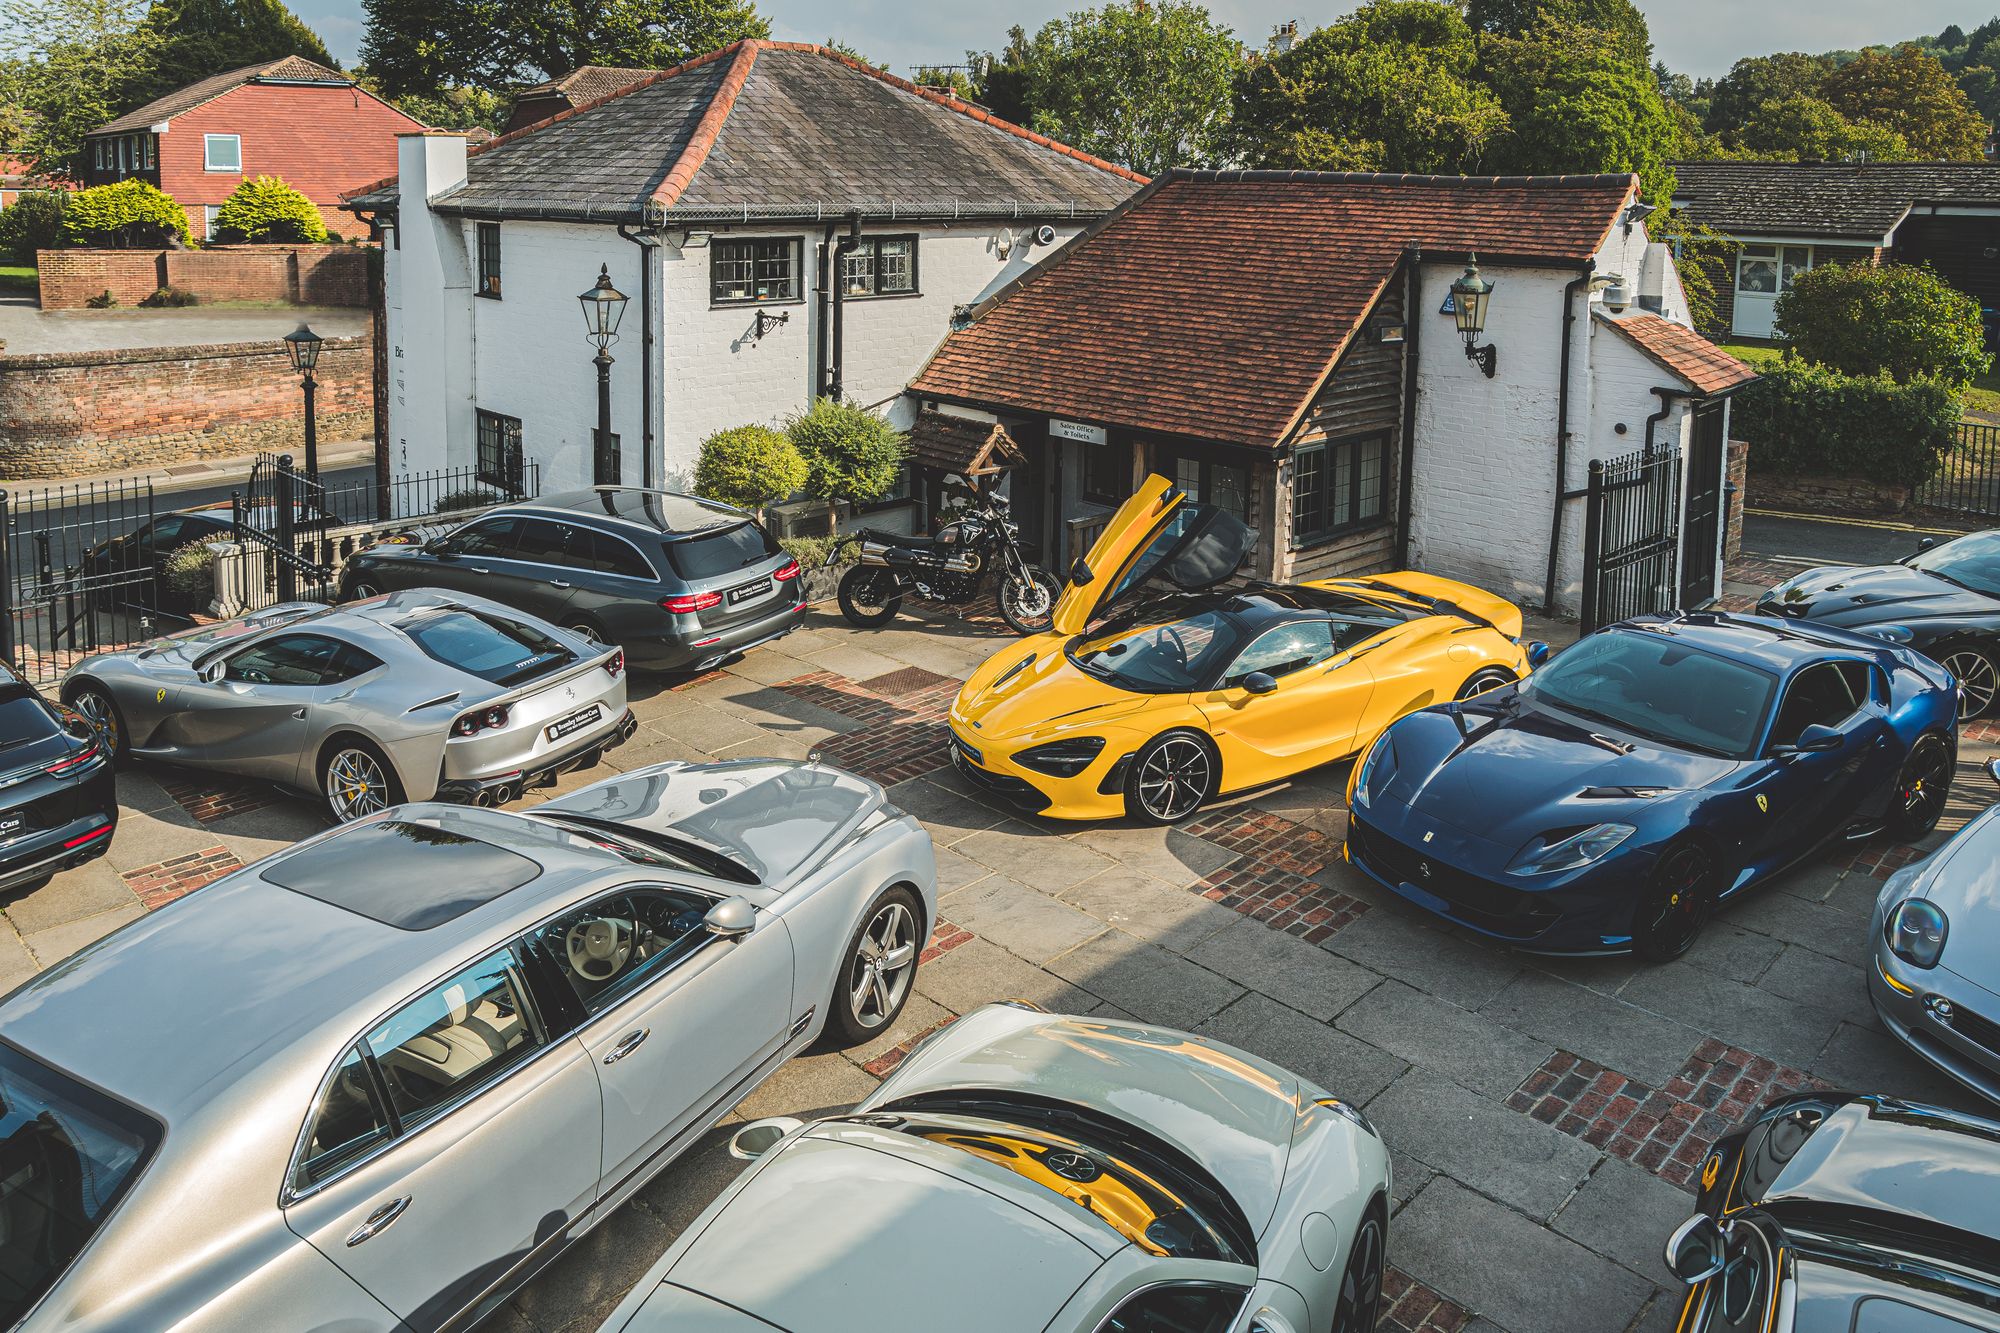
column 1545, row 1115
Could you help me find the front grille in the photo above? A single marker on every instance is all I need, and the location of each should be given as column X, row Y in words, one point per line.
column 1479, row 902
column 1982, row 1032
column 1009, row 789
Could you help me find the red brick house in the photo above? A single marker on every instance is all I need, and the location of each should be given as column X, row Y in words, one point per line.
column 309, row 125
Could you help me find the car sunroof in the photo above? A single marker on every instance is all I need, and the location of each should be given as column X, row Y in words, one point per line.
column 412, row 876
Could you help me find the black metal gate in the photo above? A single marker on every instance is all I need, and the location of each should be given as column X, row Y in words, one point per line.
column 1968, row 476
column 82, row 574
column 1631, row 533
column 1701, row 525
column 284, row 512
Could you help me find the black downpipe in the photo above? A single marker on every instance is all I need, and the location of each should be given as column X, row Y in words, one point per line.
column 1406, row 499
column 836, row 385
column 1562, row 435
column 1667, row 397
column 646, row 252
column 821, row 298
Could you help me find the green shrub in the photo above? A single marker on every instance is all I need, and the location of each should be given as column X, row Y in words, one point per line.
column 810, row 552
column 851, row 454
column 471, row 498
column 266, row 210
column 1895, row 319
column 169, row 298
column 129, row 214
column 1806, row 419
column 104, row 300
column 749, row 467
column 189, row 572
column 34, row 221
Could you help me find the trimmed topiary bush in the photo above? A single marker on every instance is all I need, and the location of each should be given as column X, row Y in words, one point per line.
column 34, row 221
column 851, row 454
column 1895, row 319
column 128, row 215
column 1812, row 420
column 749, row 467
column 267, row 210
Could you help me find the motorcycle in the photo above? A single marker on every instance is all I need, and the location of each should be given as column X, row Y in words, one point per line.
column 950, row 567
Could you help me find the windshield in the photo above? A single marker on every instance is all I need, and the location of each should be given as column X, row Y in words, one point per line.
column 1657, row 687
column 1139, row 652
column 67, row 1154
column 505, row 652
column 1972, row 562
column 714, row 554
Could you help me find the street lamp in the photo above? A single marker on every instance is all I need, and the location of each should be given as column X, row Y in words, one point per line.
column 303, row 345
column 603, row 306
column 1469, row 298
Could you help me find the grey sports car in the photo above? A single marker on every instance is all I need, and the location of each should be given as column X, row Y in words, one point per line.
column 378, row 1080
column 415, row 696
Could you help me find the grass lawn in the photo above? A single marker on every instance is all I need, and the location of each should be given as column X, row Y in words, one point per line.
column 17, row 277
column 1982, row 396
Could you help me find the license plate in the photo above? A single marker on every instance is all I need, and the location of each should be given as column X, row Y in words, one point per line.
column 575, row 722
column 11, row 825
column 747, row 591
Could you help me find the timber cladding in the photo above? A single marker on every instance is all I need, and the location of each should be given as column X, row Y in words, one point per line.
column 70, row 414
column 320, row 275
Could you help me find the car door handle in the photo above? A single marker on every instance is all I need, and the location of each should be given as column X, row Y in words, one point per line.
column 299, row 713
column 378, row 1221
column 557, row 583
column 477, row 570
column 626, row 1045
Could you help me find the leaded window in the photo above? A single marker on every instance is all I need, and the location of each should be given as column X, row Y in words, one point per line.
column 748, row 272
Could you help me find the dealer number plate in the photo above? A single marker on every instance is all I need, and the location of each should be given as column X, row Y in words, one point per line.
column 747, row 591
column 575, row 722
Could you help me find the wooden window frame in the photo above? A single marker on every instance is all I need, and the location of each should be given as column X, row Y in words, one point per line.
column 1331, row 531
column 486, row 244
column 498, row 470
column 873, row 246
column 795, row 246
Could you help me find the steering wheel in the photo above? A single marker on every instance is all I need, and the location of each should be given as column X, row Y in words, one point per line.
column 598, row 949
column 1171, row 635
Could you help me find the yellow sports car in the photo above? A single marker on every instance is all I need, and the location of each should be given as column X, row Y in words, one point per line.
column 1186, row 691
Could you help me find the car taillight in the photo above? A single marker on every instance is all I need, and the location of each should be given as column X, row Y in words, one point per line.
column 616, row 666
column 62, row 768
column 787, row 571
column 694, row 601
column 471, row 724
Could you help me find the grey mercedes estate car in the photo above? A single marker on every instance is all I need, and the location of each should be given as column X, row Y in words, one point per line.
column 680, row 582
column 376, row 1081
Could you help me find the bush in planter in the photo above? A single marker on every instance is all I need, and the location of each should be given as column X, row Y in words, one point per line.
column 851, row 454
column 128, row 215
column 471, row 498
column 187, row 576
column 749, row 467
column 267, row 210
column 1895, row 319
column 1806, row 419
column 34, row 221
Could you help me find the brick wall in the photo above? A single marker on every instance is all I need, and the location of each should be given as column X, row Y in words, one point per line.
column 1840, row 497
column 1739, row 496
column 68, row 414
column 335, row 275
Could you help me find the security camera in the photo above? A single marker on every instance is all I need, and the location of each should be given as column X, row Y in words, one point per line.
column 1045, row 235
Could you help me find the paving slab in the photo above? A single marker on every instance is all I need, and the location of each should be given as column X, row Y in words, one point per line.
column 1785, row 917
column 955, row 872
column 1036, row 856
column 1351, row 1070
column 1397, row 944
column 1018, row 919
column 977, row 973
column 1625, row 1214
column 1424, row 1030
column 1407, row 1178
column 815, row 1084
column 1814, row 979
column 1145, row 979
column 1620, row 1036
column 920, row 1014
column 1149, row 909
column 950, row 816
column 148, row 837
column 1286, row 968
column 56, row 943
column 1755, row 1020
column 1476, row 1141
column 86, row 891
column 705, row 730
column 1727, row 949
column 1170, row 855
column 1872, row 1061
column 17, row 963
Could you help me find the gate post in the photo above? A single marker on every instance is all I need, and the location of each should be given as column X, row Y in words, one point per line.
column 281, row 496
column 1593, row 535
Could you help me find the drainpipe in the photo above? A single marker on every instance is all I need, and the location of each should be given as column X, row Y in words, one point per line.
column 835, row 386
column 647, row 249
column 1406, row 499
column 1581, row 280
column 821, row 298
column 1667, row 397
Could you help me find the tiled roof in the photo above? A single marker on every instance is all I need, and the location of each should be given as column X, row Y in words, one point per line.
column 963, row 446
column 1215, row 304
column 1860, row 200
column 776, row 130
column 587, row 83
column 289, row 69
column 1706, row 368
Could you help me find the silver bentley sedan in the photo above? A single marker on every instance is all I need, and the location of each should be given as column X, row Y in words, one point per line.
column 416, row 696
column 1026, row 1172
column 378, row 1080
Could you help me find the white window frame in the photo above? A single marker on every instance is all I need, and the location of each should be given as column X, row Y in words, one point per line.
column 208, row 212
column 1772, row 252
column 208, row 143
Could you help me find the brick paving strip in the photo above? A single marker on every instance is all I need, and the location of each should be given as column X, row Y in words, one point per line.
column 1272, row 882
column 162, row 883
column 1408, row 1306
column 208, row 798
column 902, row 737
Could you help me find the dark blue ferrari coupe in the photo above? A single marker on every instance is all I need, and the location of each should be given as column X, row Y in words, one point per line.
column 1610, row 801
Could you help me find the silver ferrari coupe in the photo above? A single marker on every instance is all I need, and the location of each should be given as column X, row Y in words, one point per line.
column 416, row 696
column 374, row 1082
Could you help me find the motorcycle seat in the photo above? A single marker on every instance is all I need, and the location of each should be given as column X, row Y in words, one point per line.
column 903, row 539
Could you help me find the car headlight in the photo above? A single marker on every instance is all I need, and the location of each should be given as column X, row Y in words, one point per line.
column 1062, row 759
column 1893, row 633
column 1916, row 931
column 1379, row 765
column 1351, row 1114
column 1549, row 853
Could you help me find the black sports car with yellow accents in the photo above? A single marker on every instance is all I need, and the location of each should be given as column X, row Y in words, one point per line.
column 1834, row 1213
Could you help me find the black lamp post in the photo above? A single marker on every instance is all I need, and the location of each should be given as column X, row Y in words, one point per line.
column 1470, row 296
column 303, row 345
column 603, row 306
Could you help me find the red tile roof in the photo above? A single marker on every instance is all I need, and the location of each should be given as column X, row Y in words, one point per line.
column 1707, row 368
column 285, row 69
column 1213, row 304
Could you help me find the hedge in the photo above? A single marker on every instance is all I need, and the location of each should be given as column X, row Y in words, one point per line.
column 1896, row 319
column 1804, row 419
column 129, row 213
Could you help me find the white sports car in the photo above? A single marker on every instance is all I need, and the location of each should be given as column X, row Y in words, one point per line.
column 1026, row 1172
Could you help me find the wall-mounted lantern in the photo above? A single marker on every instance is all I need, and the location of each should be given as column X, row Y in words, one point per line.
column 1470, row 295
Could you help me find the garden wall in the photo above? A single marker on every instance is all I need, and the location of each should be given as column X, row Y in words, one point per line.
column 70, row 414
column 325, row 275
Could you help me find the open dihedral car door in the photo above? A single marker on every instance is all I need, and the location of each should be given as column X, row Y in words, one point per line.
column 1157, row 534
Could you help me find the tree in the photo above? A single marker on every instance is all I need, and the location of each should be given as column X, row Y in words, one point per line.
column 197, row 38
column 128, row 214
column 1147, row 85
column 850, row 454
column 34, row 221
column 1895, row 319
column 1392, row 87
column 62, row 63
column 749, row 467
column 1000, row 81
column 1981, row 86
column 425, row 46
column 454, row 108
column 266, row 210
column 1518, row 18
column 1805, row 128
column 1908, row 91
column 1753, row 81
column 1701, row 257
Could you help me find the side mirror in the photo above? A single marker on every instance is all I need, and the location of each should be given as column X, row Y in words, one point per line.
column 1697, row 1250
column 437, row 547
column 760, row 1136
column 1993, row 769
column 1080, row 572
column 1538, row 655
column 730, row 919
column 1925, row 544
column 1819, row 738
column 213, row 672
column 1260, row 682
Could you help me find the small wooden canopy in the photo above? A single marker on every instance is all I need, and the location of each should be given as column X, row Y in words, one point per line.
column 963, row 447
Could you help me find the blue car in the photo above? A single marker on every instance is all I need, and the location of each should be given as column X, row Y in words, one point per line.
column 1609, row 802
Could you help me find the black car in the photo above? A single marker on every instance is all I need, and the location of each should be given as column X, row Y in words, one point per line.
column 677, row 581
column 1944, row 601
column 1834, row 1213
column 58, row 796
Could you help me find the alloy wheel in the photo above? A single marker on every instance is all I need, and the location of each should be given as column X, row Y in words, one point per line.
column 102, row 716
column 1492, row 678
column 1681, row 903
column 1925, row 784
column 585, row 632
column 885, row 959
column 1175, row 778
column 1977, row 680
column 363, row 590
column 1360, row 1302
column 356, row 785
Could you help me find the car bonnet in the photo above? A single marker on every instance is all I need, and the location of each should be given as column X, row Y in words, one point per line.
column 1879, row 1155
column 1963, row 879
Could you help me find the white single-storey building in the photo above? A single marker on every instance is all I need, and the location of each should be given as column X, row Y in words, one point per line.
column 784, row 221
